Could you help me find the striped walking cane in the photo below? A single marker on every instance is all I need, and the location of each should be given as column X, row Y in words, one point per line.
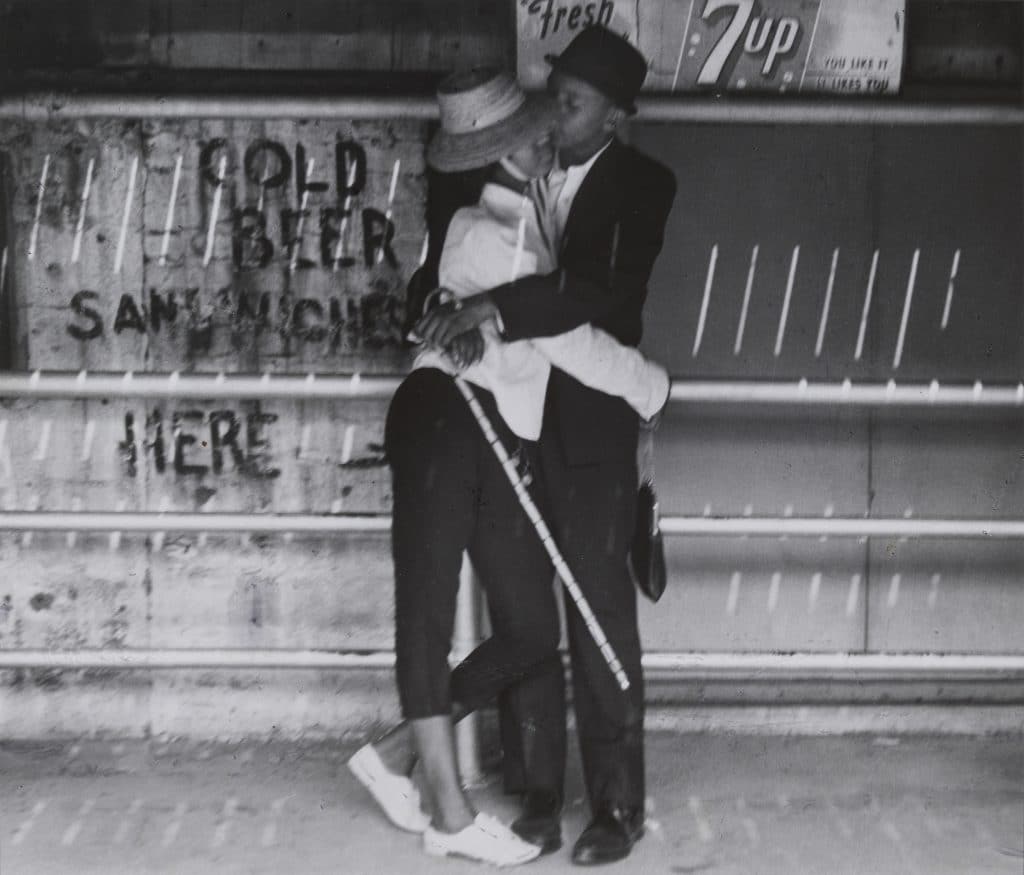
column 528, row 504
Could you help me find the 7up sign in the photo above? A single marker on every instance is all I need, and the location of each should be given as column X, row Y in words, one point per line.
column 736, row 45
column 792, row 45
column 759, row 36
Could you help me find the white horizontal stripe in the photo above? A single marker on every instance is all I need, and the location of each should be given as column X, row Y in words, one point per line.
column 38, row 384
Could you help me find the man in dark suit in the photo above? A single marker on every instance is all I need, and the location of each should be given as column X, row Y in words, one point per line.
column 605, row 210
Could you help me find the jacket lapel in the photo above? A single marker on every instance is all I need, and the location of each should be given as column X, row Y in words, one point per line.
column 596, row 195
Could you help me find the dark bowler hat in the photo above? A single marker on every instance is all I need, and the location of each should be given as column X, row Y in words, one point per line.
column 605, row 60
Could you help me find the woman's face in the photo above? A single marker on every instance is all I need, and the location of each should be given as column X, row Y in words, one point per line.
column 535, row 159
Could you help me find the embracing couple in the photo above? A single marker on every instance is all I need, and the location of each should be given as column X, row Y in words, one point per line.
column 544, row 230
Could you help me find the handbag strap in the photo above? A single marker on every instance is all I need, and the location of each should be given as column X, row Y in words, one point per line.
column 645, row 455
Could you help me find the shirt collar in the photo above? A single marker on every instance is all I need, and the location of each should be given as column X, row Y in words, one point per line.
column 581, row 170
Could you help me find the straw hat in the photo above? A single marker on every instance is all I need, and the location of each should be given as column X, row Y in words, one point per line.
column 485, row 115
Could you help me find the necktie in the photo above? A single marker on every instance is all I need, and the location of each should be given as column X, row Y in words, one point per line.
column 546, row 190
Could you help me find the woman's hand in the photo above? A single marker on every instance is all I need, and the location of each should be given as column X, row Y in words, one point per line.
column 443, row 324
column 466, row 349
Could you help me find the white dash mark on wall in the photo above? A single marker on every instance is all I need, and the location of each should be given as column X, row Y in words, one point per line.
column 742, row 324
column 33, row 238
column 44, row 440
column 75, row 827
column 211, row 232
column 350, row 181
column 841, row 822
column 894, row 591
column 781, row 334
column 734, row 593
column 269, row 836
column 347, row 443
column 174, row 827
column 300, row 225
column 827, row 305
column 76, row 507
column 933, row 592
column 5, row 452
column 905, row 319
column 773, row 592
column 388, row 210
column 76, row 248
column 262, row 177
column 703, row 827
column 171, row 205
column 889, row 828
column 706, row 301
column 204, row 536
column 158, row 537
column 868, row 292
column 115, row 537
column 852, row 595
column 126, row 822
column 25, row 827
column 949, row 290
column 128, row 198
column 221, row 833
column 34, row 503
column 815, row 590
column 87, row 439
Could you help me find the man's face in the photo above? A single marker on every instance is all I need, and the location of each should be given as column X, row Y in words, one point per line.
column 585, row 115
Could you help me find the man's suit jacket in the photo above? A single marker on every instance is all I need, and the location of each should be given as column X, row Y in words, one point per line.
column 612, row 237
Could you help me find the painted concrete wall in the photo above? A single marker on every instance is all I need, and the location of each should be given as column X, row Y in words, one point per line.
column 230, row 282
column 826, row 254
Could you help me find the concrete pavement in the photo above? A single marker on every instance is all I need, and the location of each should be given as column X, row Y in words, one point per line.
column 719, row 804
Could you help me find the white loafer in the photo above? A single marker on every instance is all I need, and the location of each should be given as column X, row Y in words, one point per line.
column 486, row 840
column 395, row 794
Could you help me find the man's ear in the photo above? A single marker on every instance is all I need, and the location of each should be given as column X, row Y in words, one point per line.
column 615, row 117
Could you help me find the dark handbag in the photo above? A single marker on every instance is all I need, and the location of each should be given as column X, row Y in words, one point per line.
column 647, row 550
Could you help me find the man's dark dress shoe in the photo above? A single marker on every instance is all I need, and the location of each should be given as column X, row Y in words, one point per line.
column 609, row 837
column 540, row 823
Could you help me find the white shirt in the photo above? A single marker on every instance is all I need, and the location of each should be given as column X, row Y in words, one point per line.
column 481, row 251
column 493, row 242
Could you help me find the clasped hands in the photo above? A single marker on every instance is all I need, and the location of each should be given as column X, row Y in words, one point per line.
column 454, row 328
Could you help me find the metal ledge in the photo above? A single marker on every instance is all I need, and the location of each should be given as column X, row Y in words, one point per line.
column 156, row 521
column 325, row 524
column 312, row 386
column 48, row 106
column 762, row 667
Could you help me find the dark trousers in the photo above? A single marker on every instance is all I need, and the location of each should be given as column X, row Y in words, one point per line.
column 450, row 495
column 590, row 510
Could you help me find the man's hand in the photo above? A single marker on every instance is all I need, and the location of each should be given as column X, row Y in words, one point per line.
column 443, row 324
column 466, row 349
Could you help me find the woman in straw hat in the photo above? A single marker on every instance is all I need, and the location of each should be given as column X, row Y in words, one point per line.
column 450, row 493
